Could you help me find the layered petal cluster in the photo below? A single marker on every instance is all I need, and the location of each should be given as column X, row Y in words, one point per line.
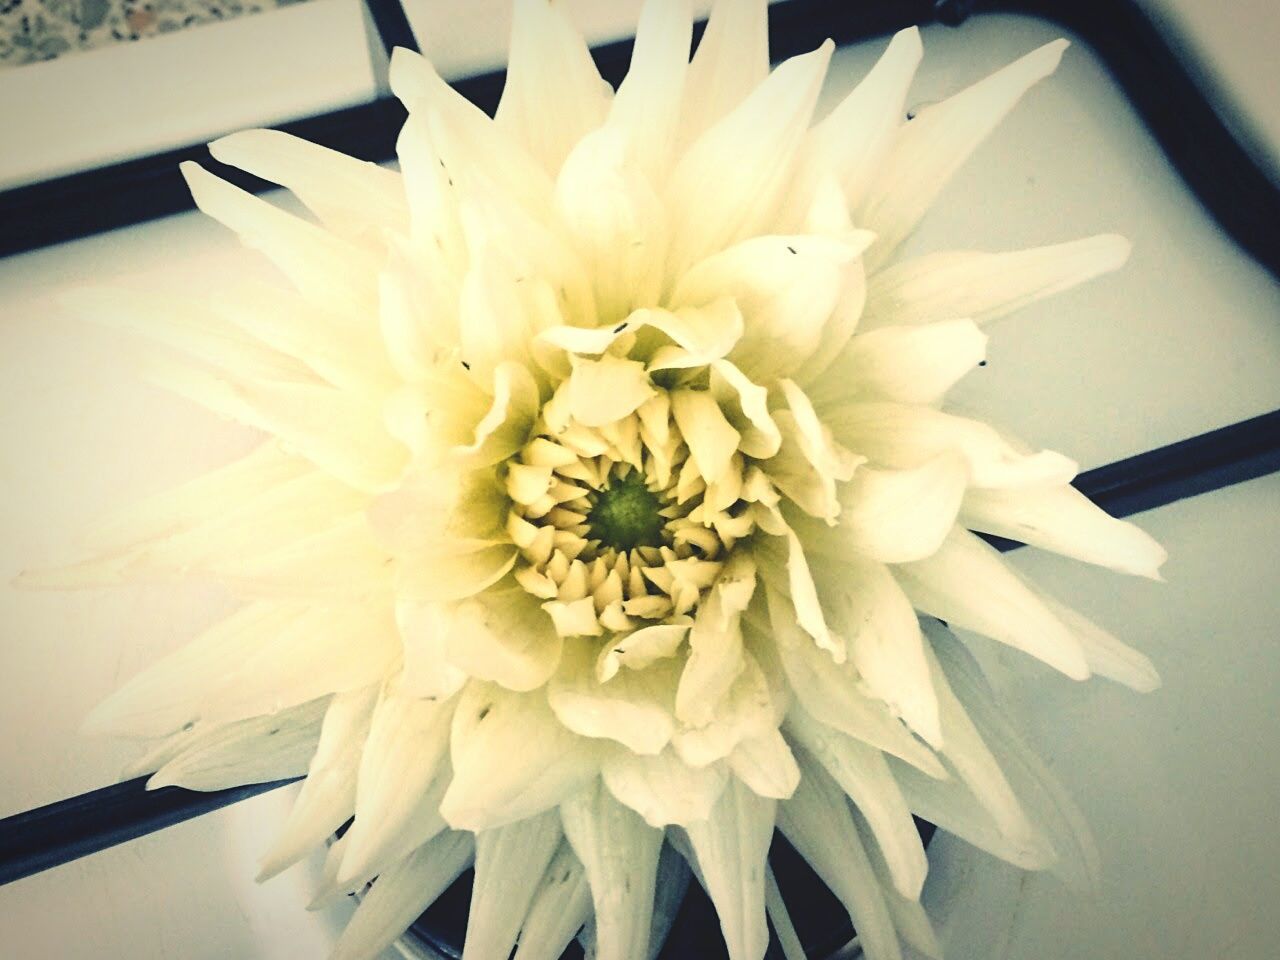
column 609, row 514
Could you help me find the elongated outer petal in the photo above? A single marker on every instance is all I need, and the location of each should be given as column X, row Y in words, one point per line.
column 402, row 893
column 646, row 109
column 510, row 861
column 829, row 691
column 395, row 807
column 819, row 825
column 257, row 661
column 512, row 758
column 549, row 64
column 635, row 707
column 1064, row 520
column 785, row 286
column 731, row 847
column 1106, row 655
column 780, row 918
column 968, row 585
column 732, row 60
column 326, row 270
column 863, row 774
column 427, row 671
column 662, row 788
column 1042, row 796
column 766, row 765
column 916, row 364
column 620, row 854
column 354, row 198
column 915, row 930
column 561, row 904
column 258, row 750
column 984, row 286
column 728, row 185
column 328, row 796
column 338, row 432
column 936, row 143
column 903, row 436
column 895, row 516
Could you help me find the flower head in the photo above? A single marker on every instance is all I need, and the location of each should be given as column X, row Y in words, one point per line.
column 609, row 513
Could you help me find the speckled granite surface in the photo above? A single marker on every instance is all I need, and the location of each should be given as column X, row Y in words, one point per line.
column 35, row 30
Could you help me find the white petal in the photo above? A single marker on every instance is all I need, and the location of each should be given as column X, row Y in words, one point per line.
column 327, row 271
column 800, row 588
column 445, row 578
column 745, row 713
column 985, row 286
column 766, row 765
column 354, row 198
column 427, row 670
column 549, row 64
column 510, row 861
column 818, row 823
column 915, row 364
column 968, row 585
column 1106, row 655
column 712, row 440
column 910, row 918
column 731, row 847
column 716, row 656
column 780, row 918
column 901, row 436
column 257, row 661
column 936, row 143
column 662, row 788
column 396, row 807
column 634, row 708
column 505, row 428
column 746, row 404
column 728, row 185
column 561, row 905
column 647, row 106
column 786, row 288
column 257, row 750
column 732, row 60
column 606, row 390
column 501, row 635
column 1063, row 519
column 511, row 758
column 328, row 796
column 639, row 649
column 702, row 335
column 401, row 894
column 830, row 692
column 898, row 515
column 620, row 854
column 863, row 773
column 1045, row 801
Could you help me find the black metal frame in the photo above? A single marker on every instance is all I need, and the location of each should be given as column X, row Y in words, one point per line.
column 1234, row 190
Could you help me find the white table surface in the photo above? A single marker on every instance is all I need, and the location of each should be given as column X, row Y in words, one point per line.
column 1179, row 785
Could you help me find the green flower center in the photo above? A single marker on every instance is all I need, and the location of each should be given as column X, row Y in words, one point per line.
column 625, row 515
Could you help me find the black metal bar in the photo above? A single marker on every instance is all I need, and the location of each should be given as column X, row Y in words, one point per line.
column 78, row 826
column 392, row 24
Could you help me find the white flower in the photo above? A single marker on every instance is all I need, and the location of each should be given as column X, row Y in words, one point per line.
column 609, row 513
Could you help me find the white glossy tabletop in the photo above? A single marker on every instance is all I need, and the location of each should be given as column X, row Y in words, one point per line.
column 1178, row 784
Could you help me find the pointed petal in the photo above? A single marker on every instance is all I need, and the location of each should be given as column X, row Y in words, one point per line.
column 901, row 436
column 401, row 894
column 639, row 649
column 510, row 861
column 818, row 823
column 1106, row 655
column 396, row 807
column 549, row 64
column 913, row 364
column 729, row 183
column 646, row 109
column 634, row 708
column 328, row 796
column 258, row 750
column 863, row 774
column 968, row 585
column 745, row 713
column 561, row 905
column 501, row 635
column 712, row 440
column 512, row 758
column 732, row 60
column 766, row 765
column 894, row 516
column 731, row 847
column 1063, row 519
column 985, row 286
column 662, row 788
column 776, row 908
column 354, row 198
column 427, row 670
column 620, row 855
column 936, row 143
column 910, row 918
